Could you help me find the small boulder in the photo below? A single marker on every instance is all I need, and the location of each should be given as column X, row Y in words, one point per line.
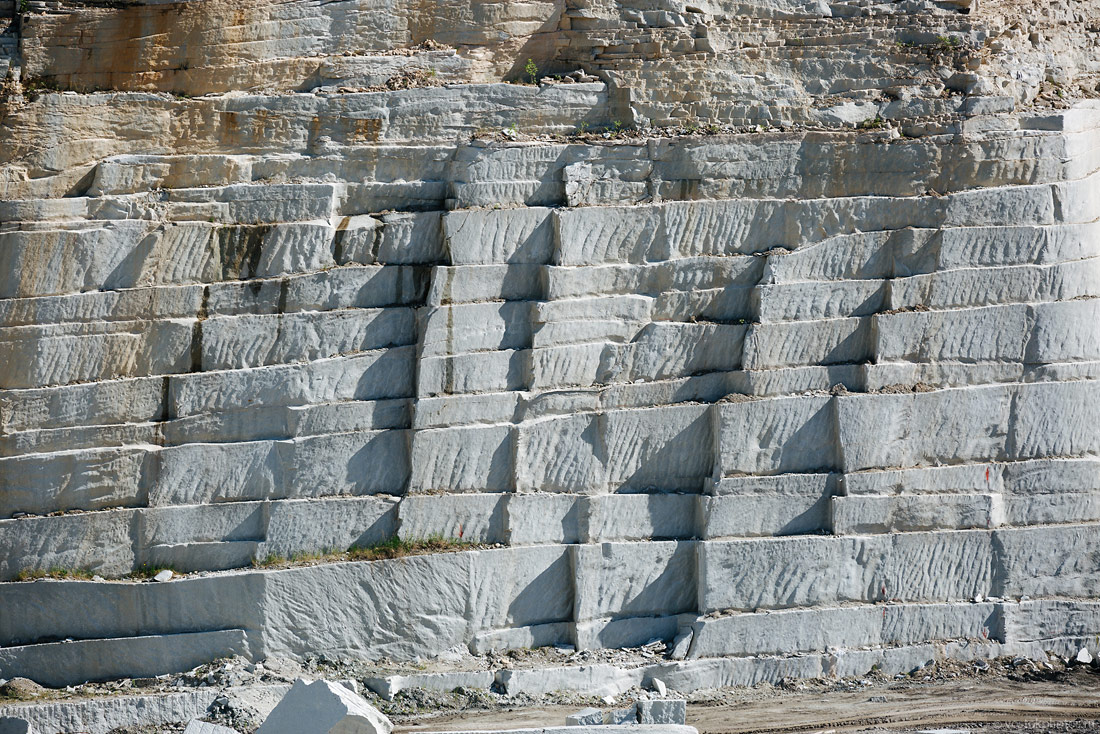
column 164, row 575
column 21, row 689
column 1083, row 656
column 323, row 707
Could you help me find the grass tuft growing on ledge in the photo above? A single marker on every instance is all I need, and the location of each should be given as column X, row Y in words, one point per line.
column 397, row 547
column 394, row 547
column 56, row 572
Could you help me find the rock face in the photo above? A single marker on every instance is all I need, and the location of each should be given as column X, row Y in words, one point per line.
column 285, row 279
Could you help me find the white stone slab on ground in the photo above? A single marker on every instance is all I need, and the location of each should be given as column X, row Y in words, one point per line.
column 325, row 708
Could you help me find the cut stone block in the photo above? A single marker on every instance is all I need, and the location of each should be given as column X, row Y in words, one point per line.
column 662, row 711
column 901, row 513
column 499, row 236
column 785, row 504
column 779, row 435
column 639, row 517
column 595, row 680
column 595, row 453
column 390, row 686
column 634, row 579
column 475, row 518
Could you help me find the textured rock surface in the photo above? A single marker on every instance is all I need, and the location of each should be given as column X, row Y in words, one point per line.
column 287, row 279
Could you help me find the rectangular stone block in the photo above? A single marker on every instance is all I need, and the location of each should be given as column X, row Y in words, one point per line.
column 788, row 572
column 134, row 304
column 97, row 609
column 590, row 236
column 121, row 401
column 99, row 543
column 512, row 638
column 383, row 374
column 476, row 372
column 937, row 480
column 359, row 463
column 900, row 513
column 786, row 632
column 1046, row 619
column 860, row 255
column 417, row 606
column 257, row 340
column 390, row 686
column 356, row 240
column 328, row 524
column 411, row 237
column 693, row 675
column 202, row 523
column 990, row 334
column 660, row 448
column 60, row 354
column 499, row 235
column 662, row 711
column 65, row 663
column 597, row 680
column 821, row 300
column 776, row 435
column 737, row 514
column 610, row 634
column 477, row 283
column 201, row 556
column 1056, row 419
column 938, row 566
column 654, row 278
column 908, row 624
column 89, row 479
column 475, row 327
column 620, row 517
column 1017, row 204
column 634, row 579
column 519, row 587
column 1048, row 561
column 463, row 459
column 906, row 430
column 475, row 518
column 456, row 411
column 818, row 342
column 543, row 518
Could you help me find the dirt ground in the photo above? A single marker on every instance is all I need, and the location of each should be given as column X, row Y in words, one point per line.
column 1070, row 704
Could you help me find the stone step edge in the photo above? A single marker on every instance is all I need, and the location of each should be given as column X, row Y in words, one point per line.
column 721, row 672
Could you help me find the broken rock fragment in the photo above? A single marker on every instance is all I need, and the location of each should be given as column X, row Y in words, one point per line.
column 323, row 707
column 666, row 711
column 585, row 717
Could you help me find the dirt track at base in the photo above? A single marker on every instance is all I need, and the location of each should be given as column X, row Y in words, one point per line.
column 985, row 707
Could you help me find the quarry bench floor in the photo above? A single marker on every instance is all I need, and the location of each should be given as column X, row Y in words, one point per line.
column 970, row 705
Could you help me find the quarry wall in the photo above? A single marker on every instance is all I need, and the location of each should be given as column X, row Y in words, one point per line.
column 815, row 396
